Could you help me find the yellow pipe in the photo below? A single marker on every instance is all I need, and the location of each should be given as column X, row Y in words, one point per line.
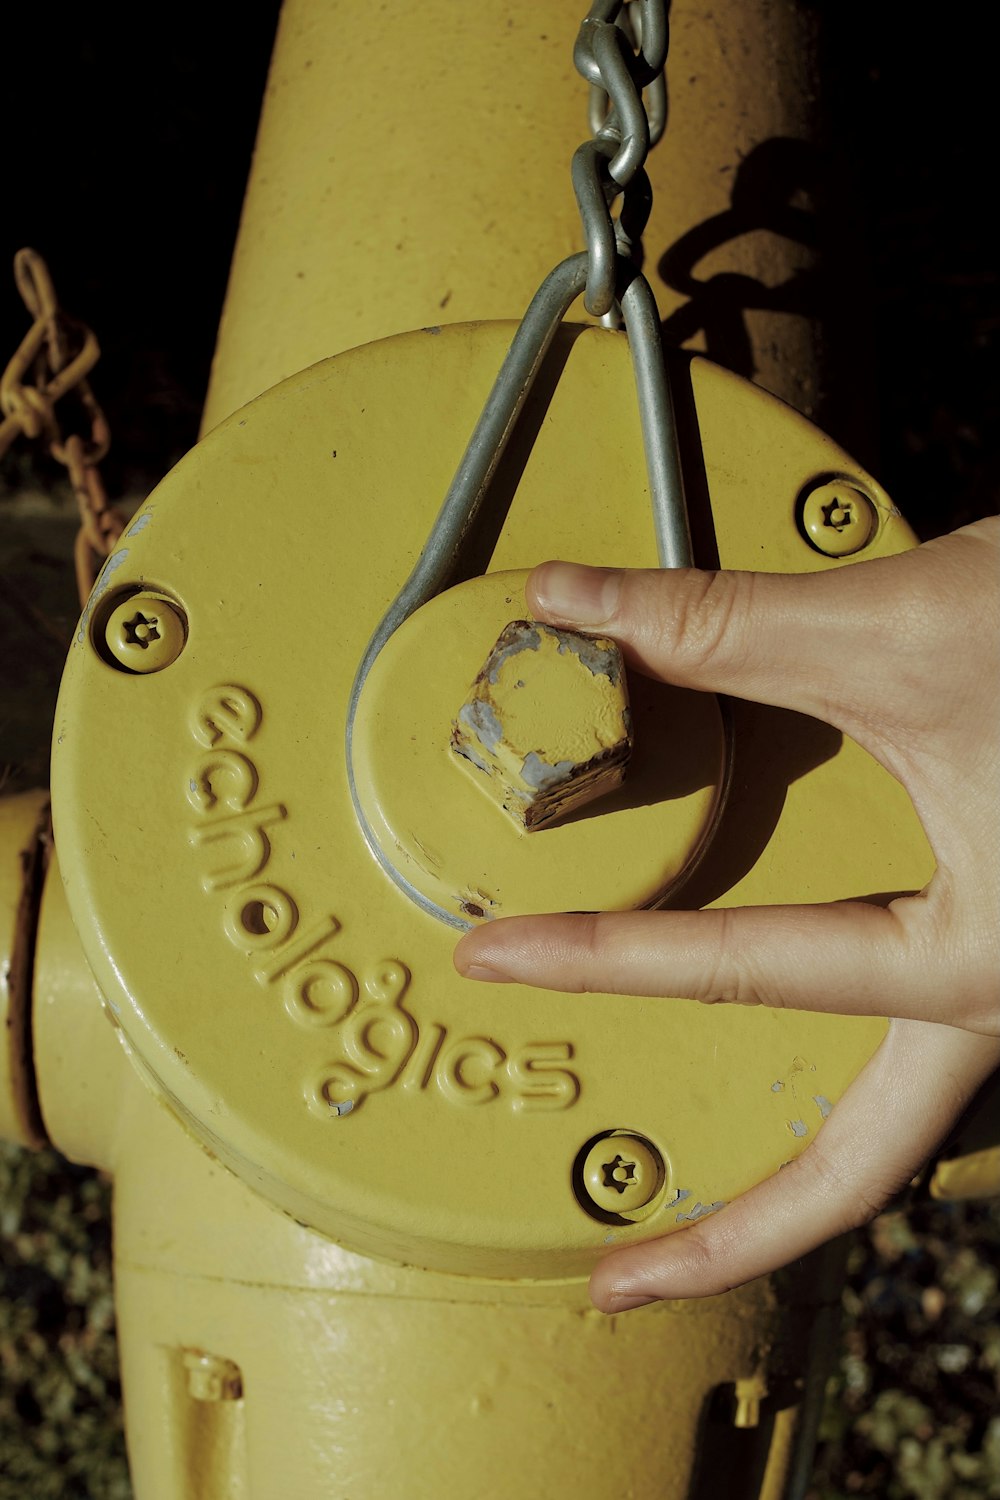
column 412, row 168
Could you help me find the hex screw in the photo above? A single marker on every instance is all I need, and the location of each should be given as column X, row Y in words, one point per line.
column 838, row 518
column 146, row 633
column 622, row 1173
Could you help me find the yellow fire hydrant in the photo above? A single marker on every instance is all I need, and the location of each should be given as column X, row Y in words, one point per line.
column 356, row 1200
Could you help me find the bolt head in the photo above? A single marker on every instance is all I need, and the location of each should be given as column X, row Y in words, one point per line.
column 838, row 518
column 546, row 727
column 622, row 1173
column 146, row 633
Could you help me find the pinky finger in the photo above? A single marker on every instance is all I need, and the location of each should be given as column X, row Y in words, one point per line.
column 894, row 1115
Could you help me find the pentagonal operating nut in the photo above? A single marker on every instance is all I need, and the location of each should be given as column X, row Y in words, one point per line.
column 838, row 518
column 546, row 727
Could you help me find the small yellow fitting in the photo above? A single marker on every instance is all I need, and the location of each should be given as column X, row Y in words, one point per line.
column 622, row 1173
column 146, row 633
column 212, row 1378
column 750, row 1392
column 838, row 518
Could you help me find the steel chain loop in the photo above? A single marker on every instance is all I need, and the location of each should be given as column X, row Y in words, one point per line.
column 621, row 50
column 53, row 359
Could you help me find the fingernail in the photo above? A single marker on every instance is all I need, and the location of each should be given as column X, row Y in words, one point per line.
column 623, row 1301
column 577, row 595
column 483, row 971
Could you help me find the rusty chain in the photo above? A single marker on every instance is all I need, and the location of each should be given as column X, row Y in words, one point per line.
column 54, row 359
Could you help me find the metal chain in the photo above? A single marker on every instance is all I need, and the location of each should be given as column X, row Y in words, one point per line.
column 54, row 358
column 621, row 50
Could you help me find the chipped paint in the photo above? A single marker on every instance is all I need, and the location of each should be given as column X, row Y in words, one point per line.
column 343, row 1109
column 823, row 1104
column 699, row 1211
column 592, row 653
column 140, row 523
column 540, row 776
column 798, row 1127
column 527, row 638
column 777, row 1087
column 548, row 736
column 101, row 585
column 481, row 718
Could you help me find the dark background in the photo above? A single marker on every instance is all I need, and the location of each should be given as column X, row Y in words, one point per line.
column 126, row 145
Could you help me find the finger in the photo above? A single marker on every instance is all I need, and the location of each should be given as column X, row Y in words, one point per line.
column 890, row 1120
column 772, row 638
column 849, row 957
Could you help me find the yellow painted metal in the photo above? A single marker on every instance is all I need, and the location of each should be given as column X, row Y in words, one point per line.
column 976, row 1175
column 145, row 633
column 421, row 804
column 347, row 1364
column 622, row 1174
column 281, row 976
column 79, row 1051
column 23, row 824
column 546, row 727
column 369, row 1380
column 412, row 168
column 838, row 518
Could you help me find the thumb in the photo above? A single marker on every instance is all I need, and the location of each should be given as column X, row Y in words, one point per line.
column 791, row 640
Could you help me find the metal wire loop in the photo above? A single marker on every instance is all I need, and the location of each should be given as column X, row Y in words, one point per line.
column 469, row 488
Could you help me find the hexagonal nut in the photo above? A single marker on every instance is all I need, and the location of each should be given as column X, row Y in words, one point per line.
column 546, row 727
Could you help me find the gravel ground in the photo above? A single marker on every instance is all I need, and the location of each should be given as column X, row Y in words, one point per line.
column 912, row 1407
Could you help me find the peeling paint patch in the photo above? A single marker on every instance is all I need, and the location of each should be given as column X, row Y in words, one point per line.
column 140, row 523
column 592, row 653
column 699, row 1211
column 481, row 718
column 343, row 1109
column 526, row 638
column 101, row 585
column 798, row 1127
column 777, row 1087
column 823, row 1104
column 538, row 774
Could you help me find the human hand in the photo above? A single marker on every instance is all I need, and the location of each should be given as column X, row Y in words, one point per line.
column 920, row 690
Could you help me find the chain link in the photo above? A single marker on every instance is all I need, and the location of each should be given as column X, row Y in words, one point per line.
column 53, row 359
column 621, row 50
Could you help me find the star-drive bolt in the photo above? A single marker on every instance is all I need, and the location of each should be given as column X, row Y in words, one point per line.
column 146, row 633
